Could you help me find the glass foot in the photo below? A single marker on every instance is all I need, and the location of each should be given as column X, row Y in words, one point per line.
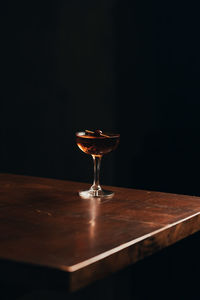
column 96, row 194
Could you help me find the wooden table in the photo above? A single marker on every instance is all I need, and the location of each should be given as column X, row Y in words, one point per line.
column 48, row 235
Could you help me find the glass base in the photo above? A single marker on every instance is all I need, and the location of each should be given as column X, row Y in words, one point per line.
column 96, row 194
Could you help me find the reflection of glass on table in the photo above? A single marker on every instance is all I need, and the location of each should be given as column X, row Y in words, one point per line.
column 96, row 143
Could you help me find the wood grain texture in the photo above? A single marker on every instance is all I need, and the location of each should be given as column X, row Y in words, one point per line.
column 45, row 228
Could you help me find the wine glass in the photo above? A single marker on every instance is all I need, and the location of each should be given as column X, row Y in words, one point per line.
column 96, row 143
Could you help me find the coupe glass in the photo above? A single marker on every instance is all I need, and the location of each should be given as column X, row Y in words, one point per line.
column 96, row 143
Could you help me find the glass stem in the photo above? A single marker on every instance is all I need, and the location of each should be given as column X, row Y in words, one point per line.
column 97, row 164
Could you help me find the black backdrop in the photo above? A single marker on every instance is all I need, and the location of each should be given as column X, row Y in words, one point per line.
column 126, row 66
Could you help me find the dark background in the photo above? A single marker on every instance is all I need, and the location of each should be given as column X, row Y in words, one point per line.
column 127, row 66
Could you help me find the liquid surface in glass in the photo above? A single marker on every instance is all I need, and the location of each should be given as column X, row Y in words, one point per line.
column 97, row 144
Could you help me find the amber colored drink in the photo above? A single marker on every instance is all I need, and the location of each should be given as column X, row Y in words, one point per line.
column 97, row 145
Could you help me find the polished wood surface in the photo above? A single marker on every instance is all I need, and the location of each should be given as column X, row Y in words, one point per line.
column 45, row 228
